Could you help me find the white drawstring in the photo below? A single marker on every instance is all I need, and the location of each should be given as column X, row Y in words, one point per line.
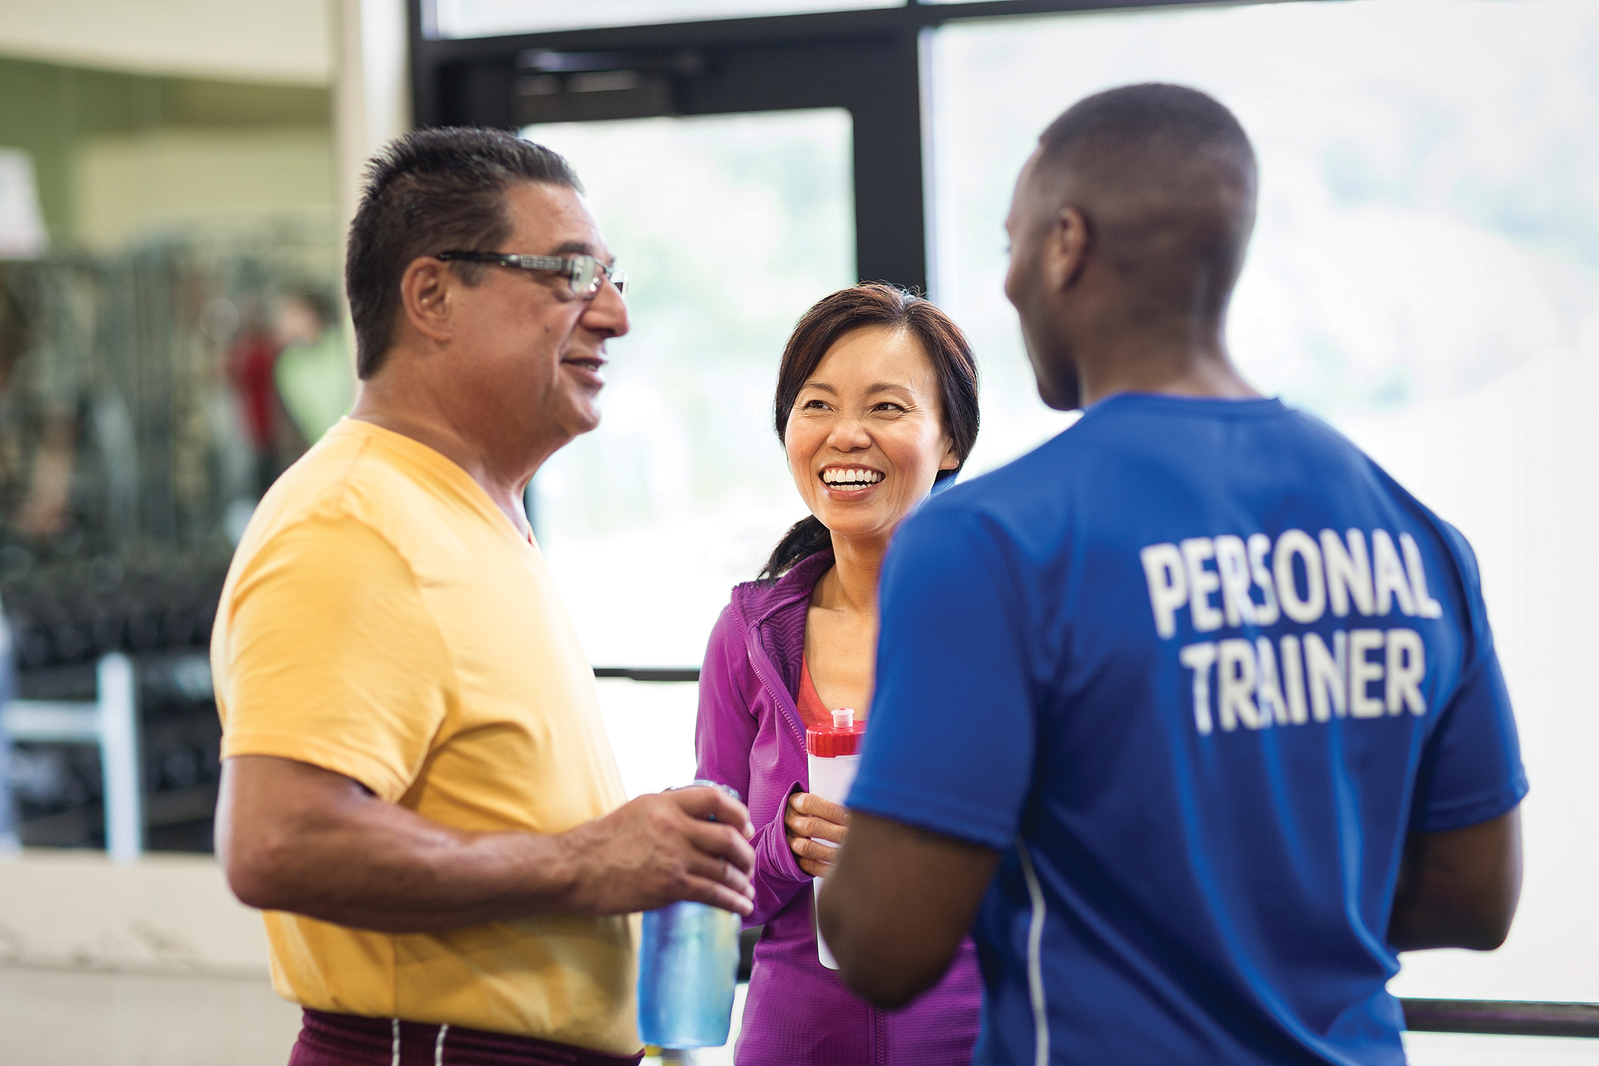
column 438, row 1045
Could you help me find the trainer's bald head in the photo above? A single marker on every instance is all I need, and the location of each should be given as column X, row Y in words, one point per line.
column 1159, row 182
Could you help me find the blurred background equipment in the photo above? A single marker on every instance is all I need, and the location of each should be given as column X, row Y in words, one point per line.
column 145, row 404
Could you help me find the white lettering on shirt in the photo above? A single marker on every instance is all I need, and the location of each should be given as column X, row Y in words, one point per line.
column 1232, row 566
column 1348, row 572
column 1307, row 608
column 1294, row 680
column 1268, row 688
column 1389, row 574
column 1235, row 685
column 1325, row 675
column 1201, row 583
column 1363, row 673
column 1266, row 613
column 1199, row 658
column 1298, row 677
column 1168, row 585
column 1407, row 665
column 1426, row 606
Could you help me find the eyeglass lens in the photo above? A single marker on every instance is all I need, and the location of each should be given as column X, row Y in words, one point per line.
column 588, row 274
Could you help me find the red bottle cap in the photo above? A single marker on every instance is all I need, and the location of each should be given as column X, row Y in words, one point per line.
column 843, row 737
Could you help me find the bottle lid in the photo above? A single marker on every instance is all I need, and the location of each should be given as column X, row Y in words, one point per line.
column 843, row 737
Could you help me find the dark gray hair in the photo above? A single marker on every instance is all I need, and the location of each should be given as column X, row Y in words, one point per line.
column 431, row 191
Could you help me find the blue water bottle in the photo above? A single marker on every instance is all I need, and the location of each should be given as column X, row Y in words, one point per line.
column 688, row 966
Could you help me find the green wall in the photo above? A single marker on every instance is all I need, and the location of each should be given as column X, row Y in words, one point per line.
column 50, row 110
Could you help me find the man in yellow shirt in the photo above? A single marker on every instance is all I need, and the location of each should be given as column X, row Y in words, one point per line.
column 418, row 787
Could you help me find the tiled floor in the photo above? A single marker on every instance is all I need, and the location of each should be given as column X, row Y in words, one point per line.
column 59, row 1018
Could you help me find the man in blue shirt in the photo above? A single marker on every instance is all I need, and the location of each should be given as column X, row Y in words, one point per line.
column 1192, row 715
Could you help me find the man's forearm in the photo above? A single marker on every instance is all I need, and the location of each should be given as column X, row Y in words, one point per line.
column 355, row 861
column 897, row 904
column 299, row 838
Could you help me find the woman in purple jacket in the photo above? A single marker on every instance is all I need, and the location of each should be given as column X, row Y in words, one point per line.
column 876, row 402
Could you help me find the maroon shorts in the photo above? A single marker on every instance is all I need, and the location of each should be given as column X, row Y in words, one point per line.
column 346, row 1040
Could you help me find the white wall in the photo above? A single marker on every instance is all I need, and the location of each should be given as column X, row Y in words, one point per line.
column 279, row 41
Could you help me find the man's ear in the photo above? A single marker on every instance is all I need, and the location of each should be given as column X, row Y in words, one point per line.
column 427, row 292
column 1066, row 250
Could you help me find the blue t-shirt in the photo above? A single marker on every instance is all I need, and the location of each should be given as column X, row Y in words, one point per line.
column 1197, row 666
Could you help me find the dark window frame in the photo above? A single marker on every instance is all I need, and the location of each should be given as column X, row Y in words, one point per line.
column 869, row 62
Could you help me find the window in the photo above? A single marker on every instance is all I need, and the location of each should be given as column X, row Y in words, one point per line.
column 729, row 227
column 1424, row 274
column 485, row 18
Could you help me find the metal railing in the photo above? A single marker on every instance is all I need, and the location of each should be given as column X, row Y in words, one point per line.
column 1501, row 1017
column 111, row 722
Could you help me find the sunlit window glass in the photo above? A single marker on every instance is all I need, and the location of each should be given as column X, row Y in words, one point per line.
column 487, row 18
column 1424, row 274
column 729, row 227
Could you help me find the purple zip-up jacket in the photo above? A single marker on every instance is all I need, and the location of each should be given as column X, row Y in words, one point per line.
column 750, row 736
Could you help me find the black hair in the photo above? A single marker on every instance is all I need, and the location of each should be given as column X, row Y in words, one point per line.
column 859, row 306
column 1183, row 150
column 431, row 191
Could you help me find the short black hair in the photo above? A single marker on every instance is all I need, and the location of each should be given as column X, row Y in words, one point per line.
column 1179, row 117
column 1187, row 158
column 430, row 191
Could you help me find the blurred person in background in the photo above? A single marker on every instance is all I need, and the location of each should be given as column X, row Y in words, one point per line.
column 417, row 786
column 876, row 403
column 313, row 373
column 251, row 364
column 1194, row 709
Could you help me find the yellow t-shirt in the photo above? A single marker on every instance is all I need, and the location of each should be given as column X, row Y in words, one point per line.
column 384, row 620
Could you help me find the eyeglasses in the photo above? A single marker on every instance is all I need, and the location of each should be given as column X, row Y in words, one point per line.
column 585, row 273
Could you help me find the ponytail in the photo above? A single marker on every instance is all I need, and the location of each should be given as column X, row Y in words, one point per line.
column 804, row 539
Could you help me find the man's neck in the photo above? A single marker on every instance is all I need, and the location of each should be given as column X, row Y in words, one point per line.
column 411, row 411
column 1189, row 359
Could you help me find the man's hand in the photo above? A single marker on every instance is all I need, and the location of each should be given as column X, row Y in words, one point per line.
column 690, row 843
column 298, row 838
column 808, row 820
column 1459, row 888
column 898, row 903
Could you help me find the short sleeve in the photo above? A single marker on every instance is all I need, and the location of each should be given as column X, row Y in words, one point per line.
column 330, row 657
column 950, row 738
column 1471, row 767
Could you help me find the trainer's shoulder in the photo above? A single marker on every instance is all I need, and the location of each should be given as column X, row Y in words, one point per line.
column 1031, row 498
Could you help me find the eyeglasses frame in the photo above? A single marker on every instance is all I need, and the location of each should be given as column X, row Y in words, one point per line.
column 563, row 264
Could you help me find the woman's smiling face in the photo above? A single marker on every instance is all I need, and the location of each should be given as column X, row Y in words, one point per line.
column 865, row 438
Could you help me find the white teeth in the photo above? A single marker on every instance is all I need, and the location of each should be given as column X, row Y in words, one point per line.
column 855, row 477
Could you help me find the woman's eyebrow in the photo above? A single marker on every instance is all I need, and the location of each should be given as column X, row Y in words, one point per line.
column 821, row 386
column 887, row 386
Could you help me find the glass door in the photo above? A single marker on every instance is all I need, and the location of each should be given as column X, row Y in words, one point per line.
column 729, row 227
column 1425, row 276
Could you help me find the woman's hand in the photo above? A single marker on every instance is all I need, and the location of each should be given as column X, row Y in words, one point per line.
column 808, row 821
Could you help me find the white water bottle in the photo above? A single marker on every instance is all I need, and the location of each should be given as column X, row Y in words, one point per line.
column 833, row 754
